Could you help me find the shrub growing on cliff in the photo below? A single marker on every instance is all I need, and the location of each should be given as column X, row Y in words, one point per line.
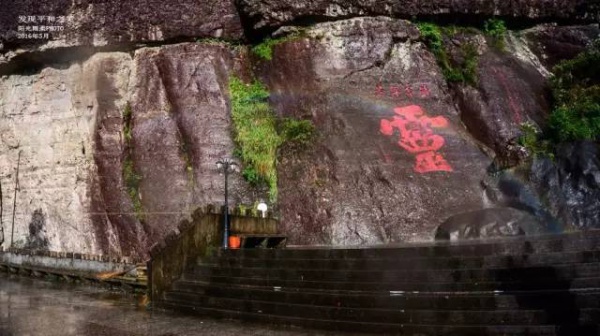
column 131, row 178
column 264, row 50
column 576, row 89
column 132, row 183
column 297, row 132
column 532, row 140
column 496, row 29
column 466, row 71
column 127, row 123
column 432, row 34
column 470, row 64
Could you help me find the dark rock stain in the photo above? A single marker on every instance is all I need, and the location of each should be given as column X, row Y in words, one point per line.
column 111, row 208
column 37, row 239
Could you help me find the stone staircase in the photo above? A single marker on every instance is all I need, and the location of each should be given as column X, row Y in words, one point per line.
column 548, row 285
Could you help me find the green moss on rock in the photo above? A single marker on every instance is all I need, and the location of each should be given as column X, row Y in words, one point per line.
column 256, row 134
column 465, row 70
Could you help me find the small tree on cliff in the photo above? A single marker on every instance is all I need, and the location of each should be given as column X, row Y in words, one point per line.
column 576, row 86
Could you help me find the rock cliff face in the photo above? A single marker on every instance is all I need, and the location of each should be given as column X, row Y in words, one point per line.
column 273, row 13
column 101, row 22
column 116, row 150
column 118, row 124
column 365, row 82
column 84, row 27
column 49, row 117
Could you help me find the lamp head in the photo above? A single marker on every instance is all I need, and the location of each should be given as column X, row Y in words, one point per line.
column 262, row 207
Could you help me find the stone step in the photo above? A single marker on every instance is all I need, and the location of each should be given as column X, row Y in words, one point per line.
column 356, row 325
column 374, row 285
column 523, row 316
column 418, row 263
column 408, row 300
column 528, row 274
column 573, row 242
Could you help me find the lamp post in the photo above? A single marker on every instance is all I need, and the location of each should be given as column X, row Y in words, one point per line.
column 227, row 165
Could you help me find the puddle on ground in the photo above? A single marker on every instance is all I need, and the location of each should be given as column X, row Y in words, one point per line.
column 32, row 307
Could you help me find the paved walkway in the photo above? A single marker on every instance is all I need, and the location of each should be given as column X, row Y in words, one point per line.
column 30, row 307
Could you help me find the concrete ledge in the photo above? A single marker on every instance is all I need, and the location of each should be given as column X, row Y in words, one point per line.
column 71, row 255
column 75, row 267
column 65, row 261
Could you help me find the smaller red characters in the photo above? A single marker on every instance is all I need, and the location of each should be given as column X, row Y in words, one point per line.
column 409, row 91
column 424, row 91
column 395, row 91
column 379, row 90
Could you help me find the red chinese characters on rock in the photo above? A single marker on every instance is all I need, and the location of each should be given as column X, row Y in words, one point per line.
column 406, row 91
column 417, row 137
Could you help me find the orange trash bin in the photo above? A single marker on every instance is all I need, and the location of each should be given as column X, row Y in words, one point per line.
column 234, row 242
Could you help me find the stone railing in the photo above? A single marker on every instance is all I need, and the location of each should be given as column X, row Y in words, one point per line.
column 121, row 271
column 196, row 239
column 69, row 255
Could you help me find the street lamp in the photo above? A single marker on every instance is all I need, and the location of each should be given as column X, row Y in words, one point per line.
column 227, row 165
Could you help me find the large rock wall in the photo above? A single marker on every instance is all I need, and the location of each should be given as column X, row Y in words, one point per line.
column 50, row 118
column 377, row 172
column 69, row 124
column 180, row 127
column 101, row 22
column 81, row 28
column 511, row 89
column 119, row 126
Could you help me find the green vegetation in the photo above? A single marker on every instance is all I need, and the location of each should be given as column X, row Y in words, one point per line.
column 243, row 208
column 466, row 71
column 432, row 34
column 299, row 133
column 127, row 123
column 454, row 30
column 218, row 41
column 184, row 149
column 264, row 50
column 256, row 135
column 532, row 140
column 132, row 182
column 211, row 40
column 255, row 132
column 496, row 29
column 576, row 113
column 131, row 178
column 576, row 89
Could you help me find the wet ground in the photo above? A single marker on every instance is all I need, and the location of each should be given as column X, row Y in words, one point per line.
column 31, row 307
